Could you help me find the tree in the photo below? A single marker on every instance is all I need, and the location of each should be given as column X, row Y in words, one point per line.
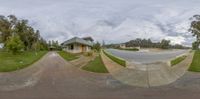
column 14, row 44
column 36, row 46
column 43, row 44
column 165, row 44
column 97, row 46
column 54, row 45
column 195, row 30
column 5, row 29
column 195, row 45
column 49, row 43
column 178, row 46
column 147, row 43
column 28, row 35
column 103, row 44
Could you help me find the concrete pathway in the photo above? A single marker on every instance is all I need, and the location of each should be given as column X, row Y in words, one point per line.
column 51, row 66
column 147, row 75
column 54, row 78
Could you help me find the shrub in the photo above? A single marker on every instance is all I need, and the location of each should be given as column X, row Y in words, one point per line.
column 195, row 45
column 14, row 44
column 97, row 46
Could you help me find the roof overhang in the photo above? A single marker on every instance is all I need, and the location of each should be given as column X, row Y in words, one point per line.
column 77, row 40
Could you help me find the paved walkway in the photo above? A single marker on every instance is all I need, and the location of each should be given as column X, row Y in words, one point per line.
column 54, row 78
column 148, row 75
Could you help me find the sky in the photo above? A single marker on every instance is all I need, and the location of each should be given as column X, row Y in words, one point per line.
column 114, row 21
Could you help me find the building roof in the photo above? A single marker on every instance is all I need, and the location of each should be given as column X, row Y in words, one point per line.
column 77, row 40
column 88, row 38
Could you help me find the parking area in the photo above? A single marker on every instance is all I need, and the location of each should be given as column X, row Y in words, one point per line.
column 146, row 57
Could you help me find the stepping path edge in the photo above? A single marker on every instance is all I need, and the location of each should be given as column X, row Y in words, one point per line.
column 124, row 74
column 152, row 77
column 84, row 64
column 181, row 68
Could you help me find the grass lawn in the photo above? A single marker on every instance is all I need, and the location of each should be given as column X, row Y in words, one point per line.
column 96, row 65
column 115, row 59
column 178, row 60
column 68, row 56
column 195, row 65
column 129, row 49
column 10, row 62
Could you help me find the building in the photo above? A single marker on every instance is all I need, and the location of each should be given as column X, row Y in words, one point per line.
column 78, row 45
column 122, row 45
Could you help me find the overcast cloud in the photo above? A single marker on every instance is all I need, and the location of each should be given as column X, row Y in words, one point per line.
column 111, row 20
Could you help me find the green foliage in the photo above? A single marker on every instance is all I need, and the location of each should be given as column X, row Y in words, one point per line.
column 96, row 65
column 115, row 46
column 5, row 30
column 10, row 62
column 178, row 46
column 103, row 44
column 29, row 36
column 195, row 65
column 195, row 27
column 165, row 44
column 115, row 59
column 147, row 43
column 54, row 45
column 195, row 45
column 39, row 46
column 140, row 43
column 97, row 46
column 129, row 49
column 177, row 60
column 14, row 44
column 43, row 45
column 68, row 56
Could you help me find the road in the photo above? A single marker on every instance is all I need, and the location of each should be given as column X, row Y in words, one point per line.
column 146, row 57
column 54, row 78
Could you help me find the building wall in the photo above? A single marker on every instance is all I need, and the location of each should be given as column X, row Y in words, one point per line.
column 88, row 48
column 77, row 48
column 122, row 46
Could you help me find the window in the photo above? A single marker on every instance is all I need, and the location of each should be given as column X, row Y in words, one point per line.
column 71, row 47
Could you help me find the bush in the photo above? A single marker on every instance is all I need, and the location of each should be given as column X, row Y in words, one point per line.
column 97, row 46
column 14, row 44
column 195, row 45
